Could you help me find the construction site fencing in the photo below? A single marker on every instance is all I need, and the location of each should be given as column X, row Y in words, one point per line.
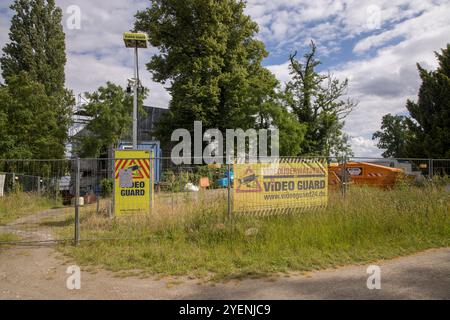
column 73, row 200
column 36, row 200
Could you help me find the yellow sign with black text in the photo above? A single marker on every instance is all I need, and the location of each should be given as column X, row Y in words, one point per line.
column 133, row 182
column 280, row 187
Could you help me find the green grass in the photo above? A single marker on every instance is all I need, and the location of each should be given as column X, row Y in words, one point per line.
column 17, row 205
column 368, row 225
column 8, row 237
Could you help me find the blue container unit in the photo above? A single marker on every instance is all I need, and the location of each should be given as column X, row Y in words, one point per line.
column 223, row 182
column 154, row 146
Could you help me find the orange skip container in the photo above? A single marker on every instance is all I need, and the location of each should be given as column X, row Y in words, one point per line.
column 363, row 173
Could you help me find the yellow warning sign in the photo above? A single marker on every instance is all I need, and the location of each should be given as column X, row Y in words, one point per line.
column 269, row 187
column 133, row 182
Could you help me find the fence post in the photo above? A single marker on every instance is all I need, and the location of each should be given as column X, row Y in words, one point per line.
column 77, row 202
column 39, row 186
column 344, row 178
column 97, row 200
column 430, row 168
column 152, row 183
column 56, row 187
column 112, row 203
column 229, row 189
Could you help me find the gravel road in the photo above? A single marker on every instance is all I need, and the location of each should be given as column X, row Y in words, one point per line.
column 40, row 273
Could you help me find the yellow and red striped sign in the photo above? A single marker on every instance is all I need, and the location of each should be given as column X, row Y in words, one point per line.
column 133, row 182
column 143, row 165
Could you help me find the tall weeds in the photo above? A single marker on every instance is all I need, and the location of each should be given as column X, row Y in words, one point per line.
column 194, row 236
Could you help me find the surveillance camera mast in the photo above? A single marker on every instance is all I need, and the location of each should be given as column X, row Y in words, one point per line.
column 136, row 41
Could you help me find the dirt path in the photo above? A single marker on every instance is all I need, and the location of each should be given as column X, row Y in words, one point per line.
column 40, row 273
column 36, row 227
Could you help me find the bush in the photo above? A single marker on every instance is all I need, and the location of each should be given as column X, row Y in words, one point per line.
column 16, row 188
column 106, row 187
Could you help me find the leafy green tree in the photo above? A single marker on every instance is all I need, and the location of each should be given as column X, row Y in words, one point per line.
column 37, row 44
column 111, row 111
column 317, row 101
column 426, row 132
column 5, row 139
column 431, row 112
column 394, row 136
column 212, row 62
column 291, row 131
column 29, row 124
column 37, row 47
column 273, row 114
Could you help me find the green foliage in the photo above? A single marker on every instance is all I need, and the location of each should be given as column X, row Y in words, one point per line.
column 210, row 57
column 16, row 187
column 36, row 48
column 30, row 122
column 37, row 44
column 176, row 181
column 213, row 174
column 291, row 131
column 316, row 100
column 111, row 109
column 393, row 137
column 5, row 138
column 106, row 187
column 426, row 133
column 431, row 113
column 8, row 237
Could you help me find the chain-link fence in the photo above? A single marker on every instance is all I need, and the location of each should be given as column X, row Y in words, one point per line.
column 440, row 167
column 76, row 199
column 36, row 200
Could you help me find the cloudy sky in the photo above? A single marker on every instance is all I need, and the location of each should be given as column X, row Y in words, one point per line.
column 375, row 44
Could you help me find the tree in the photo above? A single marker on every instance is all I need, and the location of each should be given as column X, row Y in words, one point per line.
column 37, row 44
column 110, row 109
column 316, row 100
column 431, row 112
column 4, row 136
column 394, row 136
column 28, row 122
column 212, row 62
column 37, row 47
column 426, row 132
column 290, row 130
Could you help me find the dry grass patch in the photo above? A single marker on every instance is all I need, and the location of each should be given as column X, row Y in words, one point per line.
column 17, row 205
column 196, row 238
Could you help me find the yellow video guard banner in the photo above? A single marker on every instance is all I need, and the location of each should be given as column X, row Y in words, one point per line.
column 279, row 187
column 133, row 182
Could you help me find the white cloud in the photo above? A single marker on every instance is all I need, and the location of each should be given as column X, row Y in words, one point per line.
column 410, row 31
column 363, row 147
column 81, row 78
column 281, row 71
column 292, row 23
column 435, row 19
column 96, row 53
column 384, row 82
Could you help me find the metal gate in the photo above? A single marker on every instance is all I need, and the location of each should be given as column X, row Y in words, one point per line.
column 72, row 199
column 47, row 200
column 36, row 203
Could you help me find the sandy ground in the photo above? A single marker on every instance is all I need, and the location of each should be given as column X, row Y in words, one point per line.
column 39, row 272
